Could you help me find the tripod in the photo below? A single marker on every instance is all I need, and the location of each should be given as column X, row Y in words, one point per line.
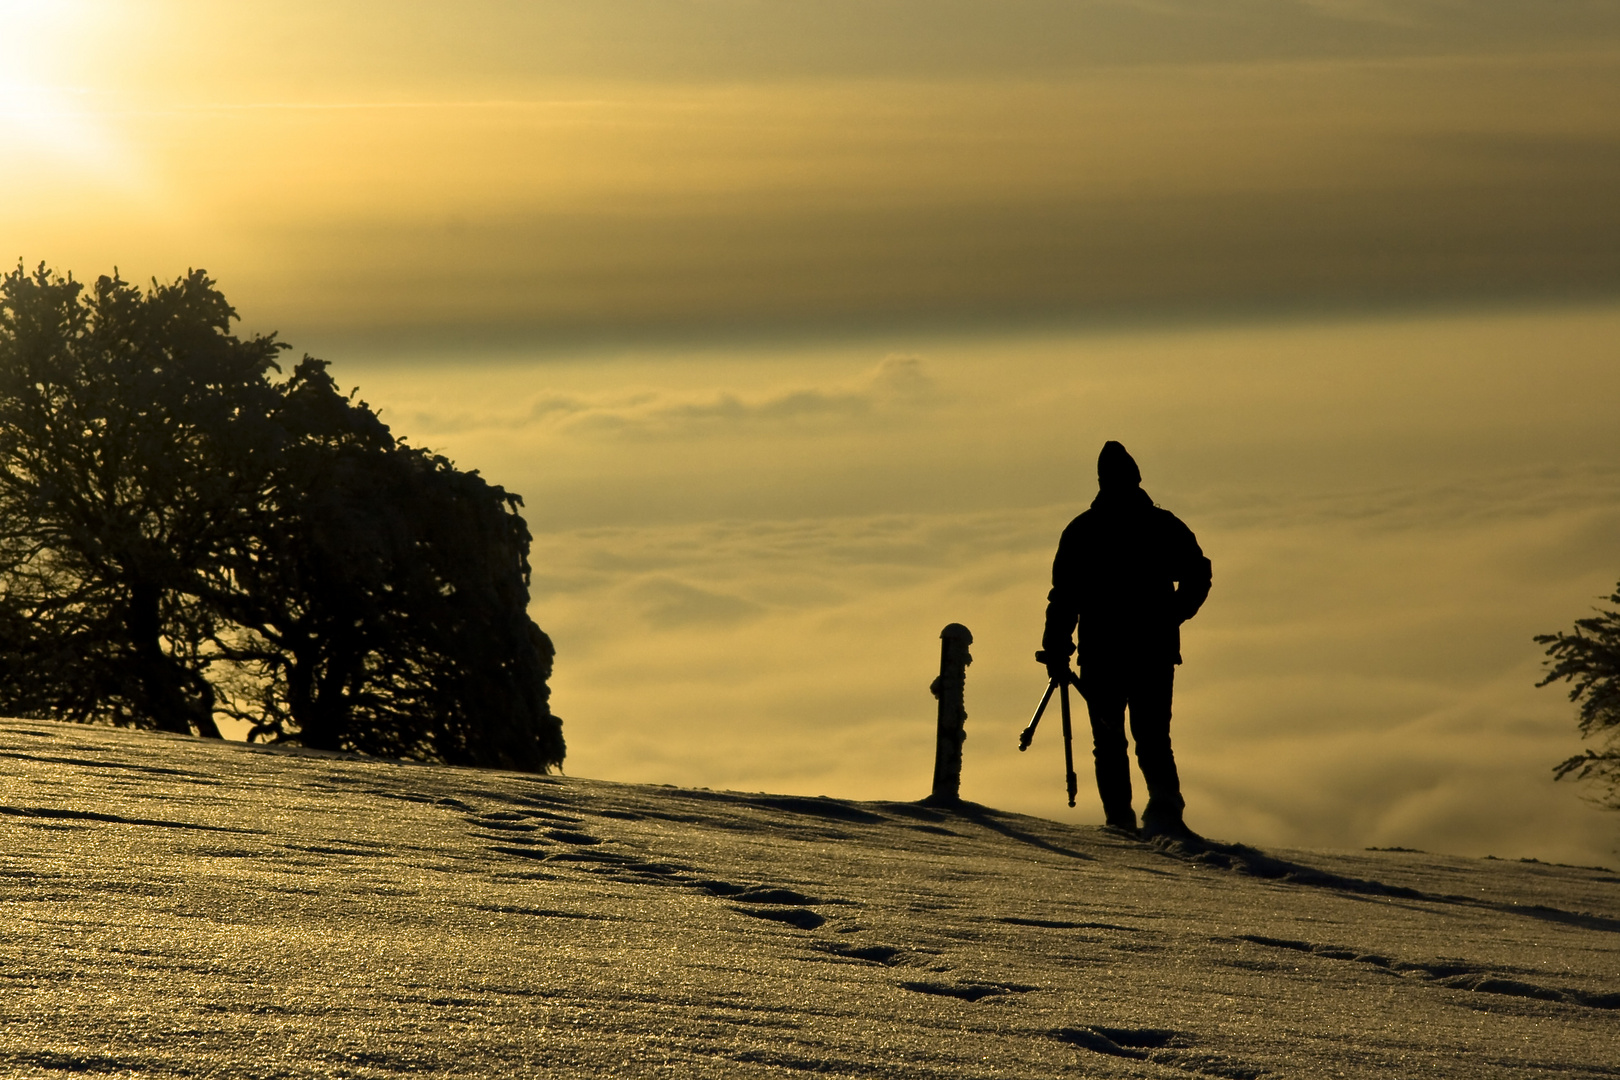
column 1028, row 734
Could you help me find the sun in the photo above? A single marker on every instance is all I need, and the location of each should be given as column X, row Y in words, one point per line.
column 42, row 114
column 35, row 33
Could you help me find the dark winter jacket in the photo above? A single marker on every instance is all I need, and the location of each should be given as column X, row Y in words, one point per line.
column 1116, row 574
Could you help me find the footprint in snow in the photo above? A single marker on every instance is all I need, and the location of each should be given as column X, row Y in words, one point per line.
column 1452, row 974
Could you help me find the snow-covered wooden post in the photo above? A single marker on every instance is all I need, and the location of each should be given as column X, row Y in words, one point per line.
column 950, row 688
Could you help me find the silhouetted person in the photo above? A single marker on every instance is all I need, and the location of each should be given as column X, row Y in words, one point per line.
column 1128, row 574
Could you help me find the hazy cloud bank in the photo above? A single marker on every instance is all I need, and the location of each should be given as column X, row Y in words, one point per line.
column 897, row 383
column 1345, row 686
column 478, row 185
column 1394, row 508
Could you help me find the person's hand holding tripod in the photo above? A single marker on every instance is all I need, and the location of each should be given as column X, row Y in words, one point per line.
column 1059, row 679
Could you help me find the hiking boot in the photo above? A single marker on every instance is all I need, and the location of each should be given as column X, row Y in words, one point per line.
column 1169, row 828
column 1122, row 818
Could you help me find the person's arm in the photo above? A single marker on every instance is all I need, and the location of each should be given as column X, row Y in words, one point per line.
column 1194, row 576
column 1062, row 605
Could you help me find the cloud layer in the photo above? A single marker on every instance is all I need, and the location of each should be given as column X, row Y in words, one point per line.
column 555, row 172
column 748, row 595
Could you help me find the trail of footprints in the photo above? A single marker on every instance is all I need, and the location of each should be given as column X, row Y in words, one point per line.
column 1161, row 1046
column 538, row 832
column 548, row 837
column 1453, row 974
column 543, row 835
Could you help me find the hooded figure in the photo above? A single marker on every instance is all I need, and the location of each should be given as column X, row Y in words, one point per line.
column 1126, row 576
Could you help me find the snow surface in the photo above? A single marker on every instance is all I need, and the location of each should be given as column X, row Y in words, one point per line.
column 179, row 907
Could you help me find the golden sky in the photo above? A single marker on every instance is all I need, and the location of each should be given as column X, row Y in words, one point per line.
column 799, row 327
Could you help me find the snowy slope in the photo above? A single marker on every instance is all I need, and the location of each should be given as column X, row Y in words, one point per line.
column 178, row 907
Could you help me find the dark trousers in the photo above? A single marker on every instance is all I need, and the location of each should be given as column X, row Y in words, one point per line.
column 1145, row 689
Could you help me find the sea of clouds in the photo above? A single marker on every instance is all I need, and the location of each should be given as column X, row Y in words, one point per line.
column 745, row 555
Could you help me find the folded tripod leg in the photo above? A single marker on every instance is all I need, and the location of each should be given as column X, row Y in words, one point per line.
column 1068, row 728
column 1068, row 743
column 1029, row 732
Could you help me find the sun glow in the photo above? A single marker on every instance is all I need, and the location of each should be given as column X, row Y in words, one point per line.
column 46, row 121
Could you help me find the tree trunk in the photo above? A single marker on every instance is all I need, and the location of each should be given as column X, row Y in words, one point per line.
column 313, row 729
column 316, row 684
column 159, row 681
